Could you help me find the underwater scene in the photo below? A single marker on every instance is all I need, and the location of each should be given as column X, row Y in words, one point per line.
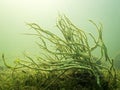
column 59, row 45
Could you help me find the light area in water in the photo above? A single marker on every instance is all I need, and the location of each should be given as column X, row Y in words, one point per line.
column 15, row 13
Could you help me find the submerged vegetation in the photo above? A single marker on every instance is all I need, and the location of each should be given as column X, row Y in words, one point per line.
column 67, row 62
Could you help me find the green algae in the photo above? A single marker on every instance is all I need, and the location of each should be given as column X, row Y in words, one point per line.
column 71, row 65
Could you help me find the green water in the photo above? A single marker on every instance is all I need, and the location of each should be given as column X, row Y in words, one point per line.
column 14, row 14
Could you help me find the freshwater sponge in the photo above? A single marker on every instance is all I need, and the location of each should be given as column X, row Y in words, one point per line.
column 71, row 62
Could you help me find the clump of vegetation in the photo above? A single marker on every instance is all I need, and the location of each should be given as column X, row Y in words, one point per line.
column 69, row 65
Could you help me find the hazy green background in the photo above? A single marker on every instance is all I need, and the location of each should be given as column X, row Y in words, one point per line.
column 15, row 13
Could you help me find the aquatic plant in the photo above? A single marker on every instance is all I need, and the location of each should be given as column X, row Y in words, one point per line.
column 70, row 58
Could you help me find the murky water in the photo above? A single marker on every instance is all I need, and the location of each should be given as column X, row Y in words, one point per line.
column 14, row 14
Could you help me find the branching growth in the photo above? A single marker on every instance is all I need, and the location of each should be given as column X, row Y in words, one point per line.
column 72, row 52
